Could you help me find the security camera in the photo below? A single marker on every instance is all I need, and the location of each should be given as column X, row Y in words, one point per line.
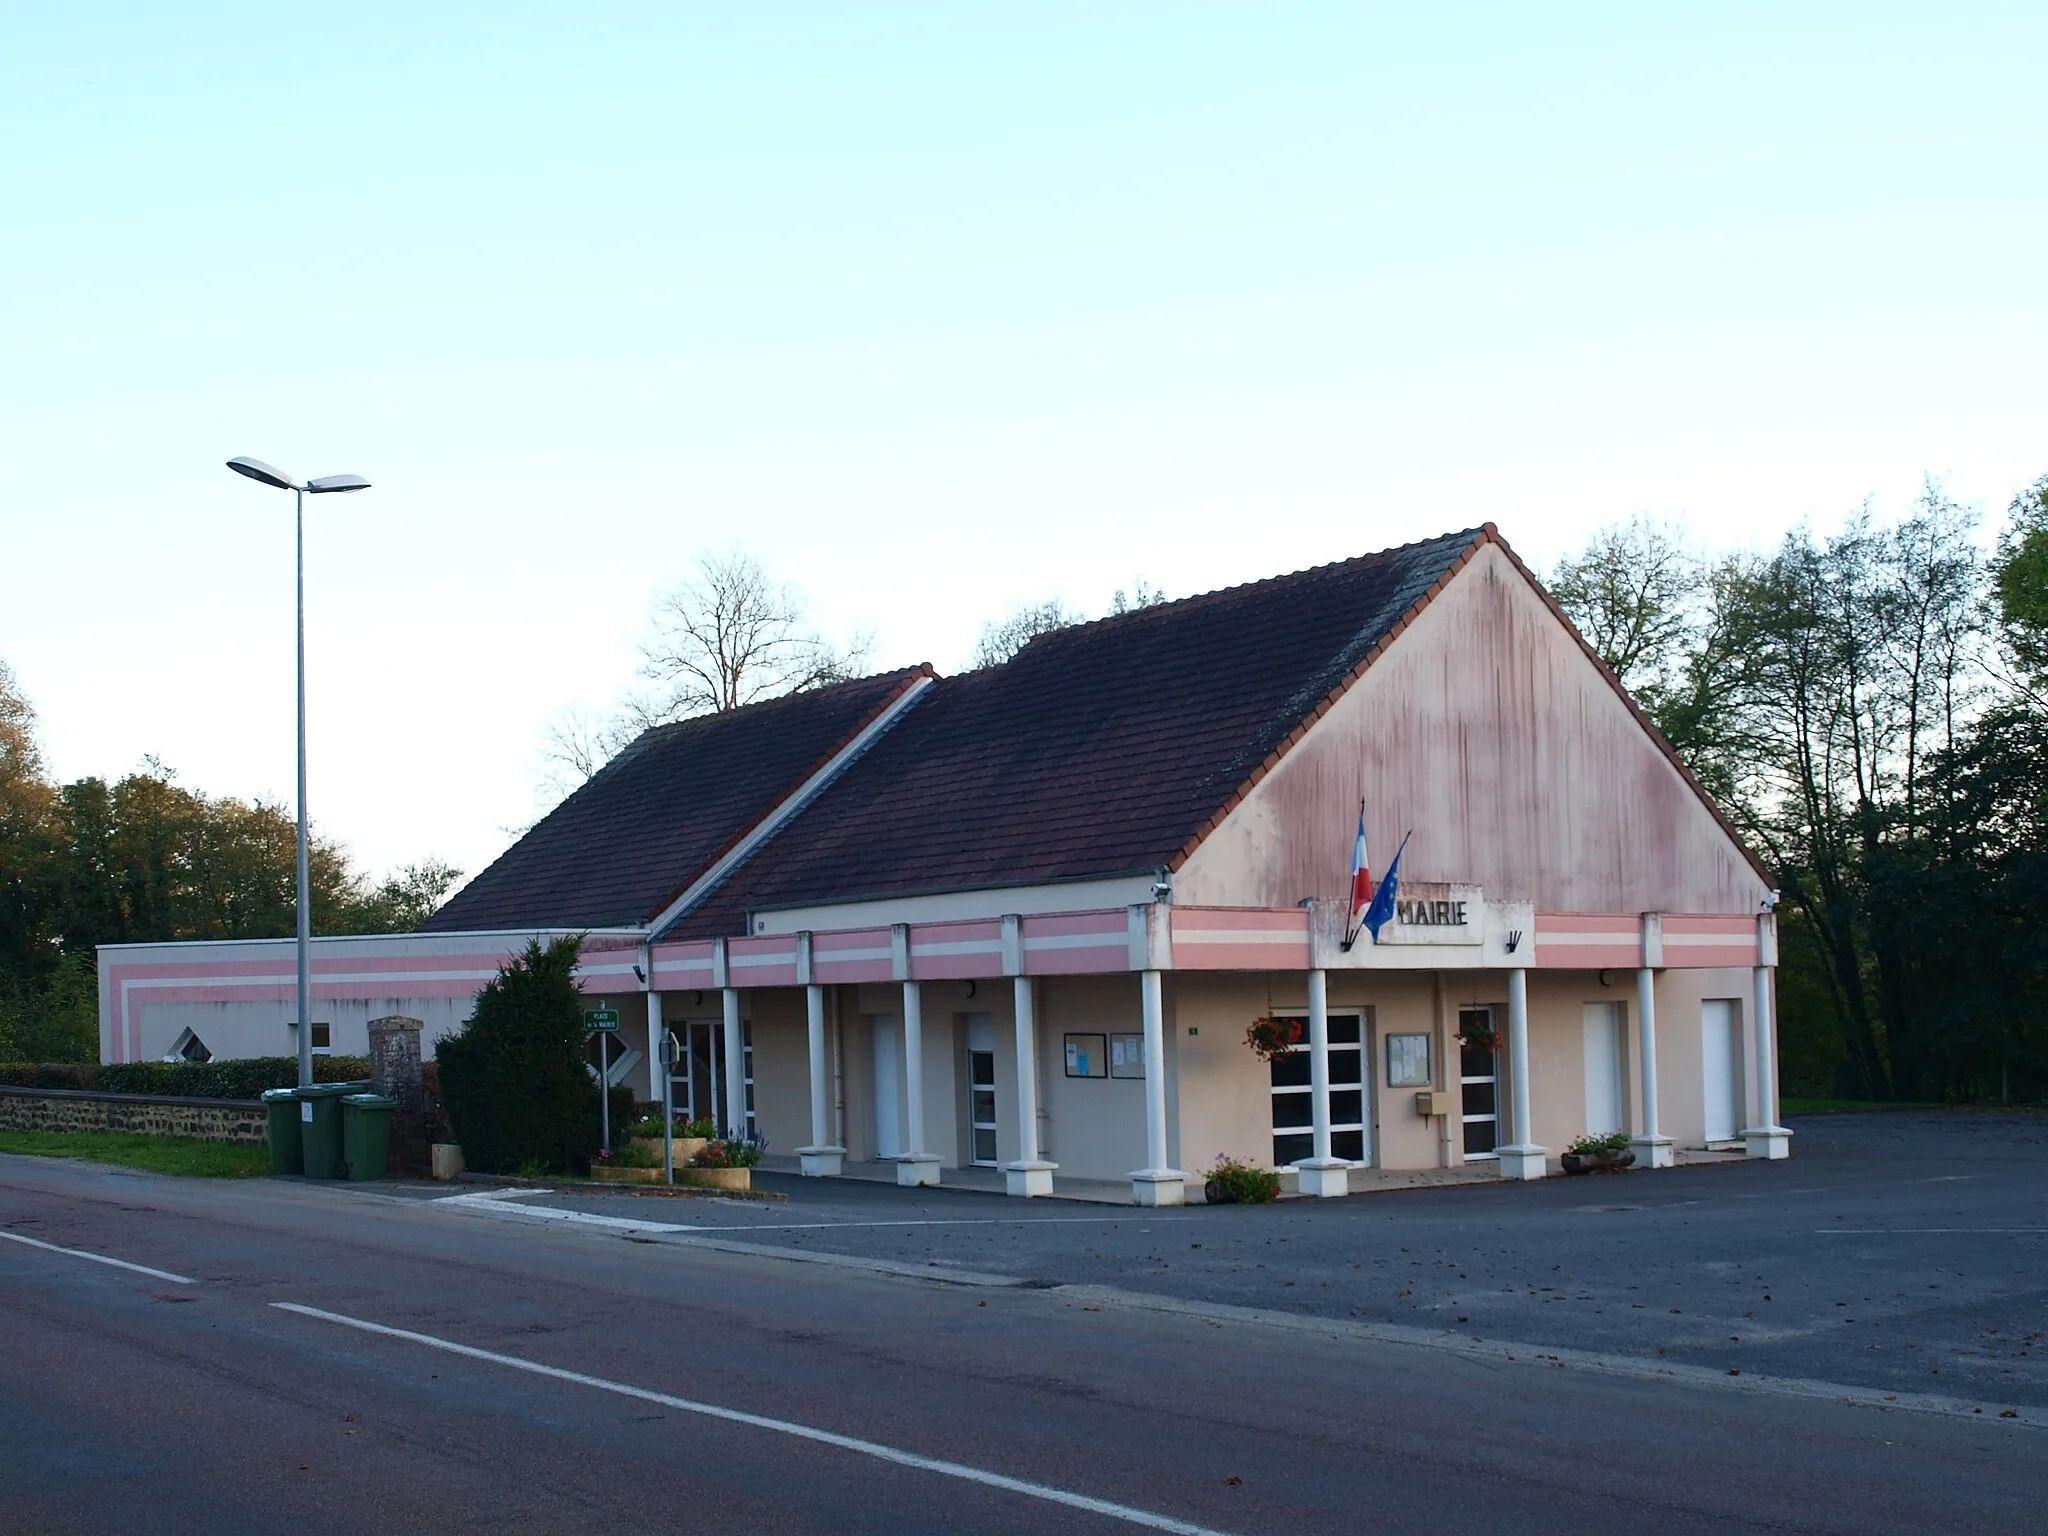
column 1770, row 901
column 1162, row 891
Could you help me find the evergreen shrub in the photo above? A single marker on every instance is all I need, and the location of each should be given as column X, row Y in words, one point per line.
column 514, row 1080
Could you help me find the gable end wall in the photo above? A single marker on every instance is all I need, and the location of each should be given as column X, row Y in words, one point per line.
column 1486, row 729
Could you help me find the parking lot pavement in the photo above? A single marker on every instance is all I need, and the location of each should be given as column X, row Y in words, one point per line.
column 1902, row 1252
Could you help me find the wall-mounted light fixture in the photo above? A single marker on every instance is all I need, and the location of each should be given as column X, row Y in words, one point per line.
column 1607, row 978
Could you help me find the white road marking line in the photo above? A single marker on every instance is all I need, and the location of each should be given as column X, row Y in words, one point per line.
column 541, row 1215
column 959, row 1221
column 1930, row 1231
column 100, row 1258
column 1129, row 1514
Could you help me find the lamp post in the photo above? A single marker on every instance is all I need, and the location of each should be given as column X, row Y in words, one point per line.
column 257, row 470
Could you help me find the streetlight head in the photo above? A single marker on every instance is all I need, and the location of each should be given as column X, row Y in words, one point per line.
column 256, row 469
column 337, row 483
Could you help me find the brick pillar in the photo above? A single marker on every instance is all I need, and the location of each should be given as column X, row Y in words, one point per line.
column 395, row 1073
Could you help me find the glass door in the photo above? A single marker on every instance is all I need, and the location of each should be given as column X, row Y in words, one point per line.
column 981, row 1091
column 1293, row 1096
column 1479, row 1081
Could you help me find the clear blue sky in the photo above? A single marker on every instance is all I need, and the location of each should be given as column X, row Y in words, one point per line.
column 941, row 308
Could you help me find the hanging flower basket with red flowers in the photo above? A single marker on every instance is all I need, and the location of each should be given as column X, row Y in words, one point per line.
column 1271, row 1038
column 1481, row 1037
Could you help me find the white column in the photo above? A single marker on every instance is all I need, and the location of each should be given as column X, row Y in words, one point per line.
column 820, row 1159
column 916, row 1166
column 1651, row 1149
column 735, row 1064
column 1321, row 1174
column 657, row 1076
column 1029, row 1174
column 1157, row 1183
column 1765, row 1138
column 1522, row 1159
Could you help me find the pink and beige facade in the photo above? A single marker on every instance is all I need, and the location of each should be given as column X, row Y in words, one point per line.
column 1582, row 947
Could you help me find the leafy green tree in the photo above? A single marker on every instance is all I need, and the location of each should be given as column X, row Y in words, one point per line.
column 515, row 1079
column 2020, row 585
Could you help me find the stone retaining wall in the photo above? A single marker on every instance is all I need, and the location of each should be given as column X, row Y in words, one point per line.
column 68, row 1109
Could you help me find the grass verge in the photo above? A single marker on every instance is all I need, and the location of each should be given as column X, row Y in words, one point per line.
column 1789, row 1106
column 158, row 1154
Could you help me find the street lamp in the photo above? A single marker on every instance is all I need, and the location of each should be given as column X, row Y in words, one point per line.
column 256, row 469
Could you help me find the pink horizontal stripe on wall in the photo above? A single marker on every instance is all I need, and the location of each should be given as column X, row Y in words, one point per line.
column 348, row 965
column 1588, row 957
column 1096, row 960
column 1242, row 919
column 1625, row 923
column 850, row 955
column 976, row 965
column 1112, row 922
column 1679, row 924
column 846, row 972
column 842, row 939
column 1222, row 955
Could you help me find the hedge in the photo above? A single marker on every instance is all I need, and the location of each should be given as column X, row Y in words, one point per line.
column 243, row 1079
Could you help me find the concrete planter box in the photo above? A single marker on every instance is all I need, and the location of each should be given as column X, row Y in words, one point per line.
column 717, row 1178
column 1597, row 1162
column 687, row 1148
column 625, row 1175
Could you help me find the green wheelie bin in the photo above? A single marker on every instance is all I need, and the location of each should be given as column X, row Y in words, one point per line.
column 366, row 1133
column 287, row 1147
column 320, row 1127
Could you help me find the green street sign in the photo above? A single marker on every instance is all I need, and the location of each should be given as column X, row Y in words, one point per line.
column 604, row 1021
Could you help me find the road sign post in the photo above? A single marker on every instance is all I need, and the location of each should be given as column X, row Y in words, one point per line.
column 604, row 1023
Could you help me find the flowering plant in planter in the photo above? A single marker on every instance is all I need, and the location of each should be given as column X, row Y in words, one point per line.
column 1231, row 1182
column 1588, row 1146
column 1271, row 1038
column 732, row 1152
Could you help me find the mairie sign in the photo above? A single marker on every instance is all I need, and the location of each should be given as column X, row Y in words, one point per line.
column 604, row 1021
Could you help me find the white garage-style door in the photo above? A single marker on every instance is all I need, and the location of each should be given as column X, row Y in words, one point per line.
column 1601, row 1025
column 1721, row 1069
column 888, row 1088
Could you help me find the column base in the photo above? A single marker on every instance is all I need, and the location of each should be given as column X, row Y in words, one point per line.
column 1770, row 1141
column 1530, row 1162
column 1325, row 1179
column 821, row 1162
column 1159, row 1186
column 1654, row 1151
column 917, row 1168
column 1029, row 1179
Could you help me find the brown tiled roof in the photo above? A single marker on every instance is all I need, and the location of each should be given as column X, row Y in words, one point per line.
column 1100, row 750
column 618, row 850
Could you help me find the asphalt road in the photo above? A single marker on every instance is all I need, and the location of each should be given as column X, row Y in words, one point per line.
column 548, row 1374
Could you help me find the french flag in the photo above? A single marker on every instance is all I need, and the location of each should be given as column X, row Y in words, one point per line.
column 1361, row 874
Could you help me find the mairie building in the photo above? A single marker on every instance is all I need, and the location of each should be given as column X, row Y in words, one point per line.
column 1024, row 919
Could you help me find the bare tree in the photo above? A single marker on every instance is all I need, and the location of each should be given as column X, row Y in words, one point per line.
column 1142, row 595
column 1634, row 593
column 1002, row 639
column 731, row 636
column 575, row 744
column 728, row 637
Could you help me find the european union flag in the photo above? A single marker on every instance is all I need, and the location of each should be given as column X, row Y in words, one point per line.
column 1381, row 912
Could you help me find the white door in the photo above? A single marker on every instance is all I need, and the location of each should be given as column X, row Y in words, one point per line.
column 888, row 1097
column 1720, row 1077
column 1602, row 1027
